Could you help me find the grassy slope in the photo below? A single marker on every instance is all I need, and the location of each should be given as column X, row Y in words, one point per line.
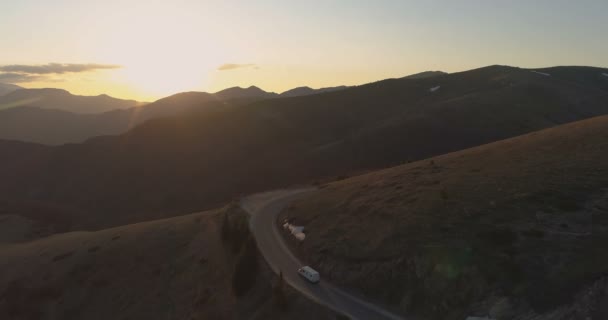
column 524, row 218
column 167, row 269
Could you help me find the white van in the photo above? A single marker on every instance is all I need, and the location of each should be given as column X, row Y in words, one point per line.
column 310, row 274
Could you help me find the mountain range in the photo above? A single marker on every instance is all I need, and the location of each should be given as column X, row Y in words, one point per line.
column 59, row 99
column 305, row 91
column 194, row 161
column 8, row 88
column 440, row 196
column 54, row 116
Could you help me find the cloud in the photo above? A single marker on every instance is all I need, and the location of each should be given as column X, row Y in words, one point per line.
column 232, row 66
column 57, row 68
column 12, row 77
column 20, row 73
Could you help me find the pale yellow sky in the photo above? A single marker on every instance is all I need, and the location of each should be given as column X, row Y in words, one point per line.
column 165, row 47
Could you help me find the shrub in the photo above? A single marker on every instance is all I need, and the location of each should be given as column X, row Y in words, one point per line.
column 225, row 230
column 533, row 233
column 234, row 230
column 279, row 295
column 246, row 269
column 341, row 177
column 239, row 235
column 499, row 237
column 63, row 256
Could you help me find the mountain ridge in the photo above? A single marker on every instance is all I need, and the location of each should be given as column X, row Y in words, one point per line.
column 6, row 88
column 60, row 99
column 199, row 157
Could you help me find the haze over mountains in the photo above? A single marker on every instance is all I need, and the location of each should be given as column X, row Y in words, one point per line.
column 202, row 158
column 59, row 99
column 7, row 88
column 54, row 117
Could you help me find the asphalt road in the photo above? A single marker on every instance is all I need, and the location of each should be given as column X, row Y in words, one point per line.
column 264, row 210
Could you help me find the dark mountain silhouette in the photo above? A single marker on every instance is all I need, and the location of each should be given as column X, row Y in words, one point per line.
column 49, row 126
column 186, row 163
column 8, row 88
column 63, row 100
column 252, row 92
column 425, row 75
column 306, row 91
column 55, row 127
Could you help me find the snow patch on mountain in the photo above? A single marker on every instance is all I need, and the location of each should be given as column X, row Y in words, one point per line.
column 542, row 73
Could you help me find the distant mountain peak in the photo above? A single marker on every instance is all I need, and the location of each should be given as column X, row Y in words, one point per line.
column 425, row 75
column 60, row 99
column 306, row 91
column 43, row 91
column 241, row 93
column 6, row 88
column 301, row 88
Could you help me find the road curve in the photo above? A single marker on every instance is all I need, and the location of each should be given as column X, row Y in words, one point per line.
column 264, row 209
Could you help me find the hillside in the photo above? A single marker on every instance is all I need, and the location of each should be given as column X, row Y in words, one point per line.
column 516, row 229
column 56, row 127
column 7, row 88
column 425, row 75
column 49, row 126
column 167, row 269
column 252, row 92
column 199, row 160
column 306, row 91
column 62, row 100
column 45, row 125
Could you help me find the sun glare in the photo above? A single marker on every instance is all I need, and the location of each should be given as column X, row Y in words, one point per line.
column 161, row 57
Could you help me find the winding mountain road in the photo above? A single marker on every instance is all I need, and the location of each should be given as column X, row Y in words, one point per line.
column 264, row 209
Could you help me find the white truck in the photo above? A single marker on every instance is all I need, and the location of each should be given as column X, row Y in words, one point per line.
column 309, row 274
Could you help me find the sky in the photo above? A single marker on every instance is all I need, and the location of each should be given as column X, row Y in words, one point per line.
column 147, row 49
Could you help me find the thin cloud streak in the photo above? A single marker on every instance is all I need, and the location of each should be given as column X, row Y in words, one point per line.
column 21, row 73
column 12, row 77
column 232, row 66
column 57, row 68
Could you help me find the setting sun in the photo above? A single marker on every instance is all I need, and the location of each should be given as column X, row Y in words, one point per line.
column 165, row 47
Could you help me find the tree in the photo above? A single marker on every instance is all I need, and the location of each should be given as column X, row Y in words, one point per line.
column 280, row 297
column 225, row 230
column 246, row 269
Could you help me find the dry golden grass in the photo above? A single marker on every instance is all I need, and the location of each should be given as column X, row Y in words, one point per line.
column 167, row 269
column 521, row 218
